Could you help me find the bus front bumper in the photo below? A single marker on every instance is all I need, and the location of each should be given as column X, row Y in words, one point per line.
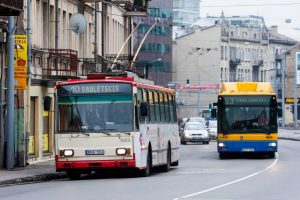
column 93, row 164
column 247, row 146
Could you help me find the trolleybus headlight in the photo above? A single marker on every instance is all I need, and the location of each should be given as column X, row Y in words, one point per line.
column 68, row 152
column 272, row 144
column 121, row 151
column 221, row 144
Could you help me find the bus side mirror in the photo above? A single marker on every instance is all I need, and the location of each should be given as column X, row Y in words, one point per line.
column 279, row 112
column 214, row 113
column 144, row 109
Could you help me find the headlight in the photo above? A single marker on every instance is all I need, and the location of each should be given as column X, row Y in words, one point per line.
column 121, row 151
column 68, row 152
column 272, row 144
column 221, row 144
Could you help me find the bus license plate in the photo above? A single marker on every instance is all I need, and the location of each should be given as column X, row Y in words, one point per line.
column 94, row 152
column 248, row 150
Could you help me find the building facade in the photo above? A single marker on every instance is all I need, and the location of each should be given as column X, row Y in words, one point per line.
column 156, row 51
column 57, row 54
column 229, row 50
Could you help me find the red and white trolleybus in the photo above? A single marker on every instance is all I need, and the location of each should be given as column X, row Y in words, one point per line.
column 114, row 122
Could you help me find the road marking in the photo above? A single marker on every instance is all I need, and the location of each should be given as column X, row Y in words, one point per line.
column 231, row 182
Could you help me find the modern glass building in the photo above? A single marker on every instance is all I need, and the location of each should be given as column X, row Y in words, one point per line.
column 156, row 52
column 185, row 12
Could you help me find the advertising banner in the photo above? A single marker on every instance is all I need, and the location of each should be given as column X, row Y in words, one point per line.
column 20, row 62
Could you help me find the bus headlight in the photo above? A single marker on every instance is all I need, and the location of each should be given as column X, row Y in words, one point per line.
column 121, row 151
column 272, row 144
column 68, row 152
column 221, row 144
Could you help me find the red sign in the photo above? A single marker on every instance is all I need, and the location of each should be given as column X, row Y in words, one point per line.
column 198, row 87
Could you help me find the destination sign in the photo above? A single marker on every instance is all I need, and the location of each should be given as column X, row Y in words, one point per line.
column 94, row 88
column 247, row 100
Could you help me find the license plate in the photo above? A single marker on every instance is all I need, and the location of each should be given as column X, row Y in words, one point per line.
column 94, row 152
column 248, row 150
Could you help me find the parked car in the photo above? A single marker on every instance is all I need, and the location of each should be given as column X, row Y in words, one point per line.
column 194, row 132
column 212, row 129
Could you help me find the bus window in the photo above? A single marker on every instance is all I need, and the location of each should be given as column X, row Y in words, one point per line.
column 167, row 108
column 171, row 108
column 162, row 107
column 174, row 106
column 156, row 102
column 146, row 99
column 139, row 100
column 152, row 106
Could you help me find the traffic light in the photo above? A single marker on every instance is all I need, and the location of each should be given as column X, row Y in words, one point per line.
column 187, row 82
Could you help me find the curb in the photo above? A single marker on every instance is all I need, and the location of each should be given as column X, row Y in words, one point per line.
column 287, row 138
column 33, row 179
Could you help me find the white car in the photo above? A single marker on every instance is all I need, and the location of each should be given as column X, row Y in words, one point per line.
column 212, row 129
column 194, row 132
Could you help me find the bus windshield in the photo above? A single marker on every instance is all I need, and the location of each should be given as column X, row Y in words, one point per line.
column 98, row 113
column 255, row 115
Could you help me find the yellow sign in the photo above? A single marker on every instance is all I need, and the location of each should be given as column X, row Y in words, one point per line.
column 45, row 142
column 31, row 145
column 20, row 62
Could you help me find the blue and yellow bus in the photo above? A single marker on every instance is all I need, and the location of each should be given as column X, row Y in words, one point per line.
column 247, row 119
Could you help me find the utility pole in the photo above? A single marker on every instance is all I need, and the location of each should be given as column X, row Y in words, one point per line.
column 283, row 91
column 28, row 79
column 10, row 94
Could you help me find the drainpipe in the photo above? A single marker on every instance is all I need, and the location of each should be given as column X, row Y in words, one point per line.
column 10, row 95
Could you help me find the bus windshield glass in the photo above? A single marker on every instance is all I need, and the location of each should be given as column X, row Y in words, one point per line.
column 248, row 114
column 110, row 111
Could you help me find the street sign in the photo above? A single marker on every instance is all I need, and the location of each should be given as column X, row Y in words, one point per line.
column 20, row 62
column 198, row 87
column 290, row 100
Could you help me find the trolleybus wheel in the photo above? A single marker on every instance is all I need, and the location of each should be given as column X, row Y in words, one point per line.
column 222, row 155
column 74, row 175
column 146, row 172
column 166, row 167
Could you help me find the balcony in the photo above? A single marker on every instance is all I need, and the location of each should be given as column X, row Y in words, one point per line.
column 11, row 7
column 61, row 63
column 117, row 2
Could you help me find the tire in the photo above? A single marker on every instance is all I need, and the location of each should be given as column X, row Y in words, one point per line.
column 271, row 154
column 176, row 163
column 183, row 141
column 207, row 142
column 222, row 155
column 147, row 171
column 166, row 167
column 74, row 175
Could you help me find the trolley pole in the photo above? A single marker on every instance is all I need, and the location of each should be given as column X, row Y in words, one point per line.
column 10, row 95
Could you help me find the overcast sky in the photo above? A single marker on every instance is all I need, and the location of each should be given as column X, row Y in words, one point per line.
column 273, row 14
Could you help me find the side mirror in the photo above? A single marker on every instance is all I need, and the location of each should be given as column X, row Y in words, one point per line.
column 214, row 113
column 144, row 109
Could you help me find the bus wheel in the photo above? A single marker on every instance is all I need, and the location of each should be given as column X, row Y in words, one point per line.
column 166, row 167
column 147, row 171
column 74, row 175
column 271, row 154
column 222, row 155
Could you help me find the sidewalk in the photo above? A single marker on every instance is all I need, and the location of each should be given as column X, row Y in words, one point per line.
column 37, row 172
column 289, row 134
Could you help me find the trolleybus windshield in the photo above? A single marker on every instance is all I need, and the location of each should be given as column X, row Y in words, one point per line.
column 93, row 108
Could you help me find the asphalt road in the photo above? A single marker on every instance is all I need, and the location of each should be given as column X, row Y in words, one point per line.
column 200, row 175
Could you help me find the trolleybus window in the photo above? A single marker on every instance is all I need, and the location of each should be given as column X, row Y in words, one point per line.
column 81, row 111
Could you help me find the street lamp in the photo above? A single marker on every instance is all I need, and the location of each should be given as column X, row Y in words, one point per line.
column 146, row 69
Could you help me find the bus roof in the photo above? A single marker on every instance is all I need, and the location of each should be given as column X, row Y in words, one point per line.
column 247, row 88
